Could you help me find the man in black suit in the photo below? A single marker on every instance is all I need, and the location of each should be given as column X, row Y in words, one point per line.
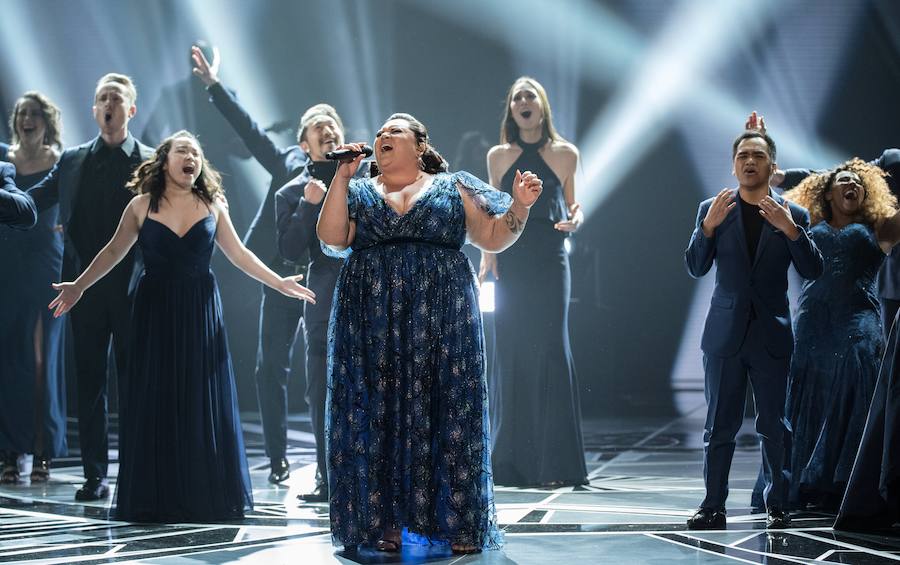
column 297, row 207
column 88, row 183
column 279, row 316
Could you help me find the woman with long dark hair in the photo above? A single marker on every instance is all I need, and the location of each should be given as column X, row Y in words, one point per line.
column 33, row 401
column 538, row 440
column 181, row 452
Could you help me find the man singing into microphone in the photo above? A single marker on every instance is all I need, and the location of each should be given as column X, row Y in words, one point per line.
column 297, row 207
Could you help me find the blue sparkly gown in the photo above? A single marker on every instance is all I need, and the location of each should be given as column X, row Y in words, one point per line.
column 837, row 350
column 181, row 450
column 407, row 424
column 32, row 413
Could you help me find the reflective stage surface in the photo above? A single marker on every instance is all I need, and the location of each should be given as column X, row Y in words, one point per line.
column 645, row 482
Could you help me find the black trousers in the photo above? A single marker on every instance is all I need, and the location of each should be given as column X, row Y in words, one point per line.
column 279, row 321
column 317, row 389
column 726, row 389
column 103, row 312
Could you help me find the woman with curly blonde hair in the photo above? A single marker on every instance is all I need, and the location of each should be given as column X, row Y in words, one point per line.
column 838, row 337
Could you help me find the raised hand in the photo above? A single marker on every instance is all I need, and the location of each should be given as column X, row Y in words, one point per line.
column 314, row 191
column 488, row 265
column 290, row 286
column 718, row 211
column 347, row 168
column 69, row 295
column 203, row 69
column 526, row 188
column 576, row 218
column 777, row 178
column 779, row 215
column 756, row 123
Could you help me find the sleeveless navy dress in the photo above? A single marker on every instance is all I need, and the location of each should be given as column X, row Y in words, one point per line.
column 537, row 414
column 407, row 427
column 32, row 259
column 181, row 450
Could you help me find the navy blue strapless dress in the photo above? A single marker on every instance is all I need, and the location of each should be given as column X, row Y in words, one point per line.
column 838, row 343
column 32, row 406
column 181, row 450
column 407, row 429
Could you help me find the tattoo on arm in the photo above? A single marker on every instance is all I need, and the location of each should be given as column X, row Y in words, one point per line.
column 513, row 222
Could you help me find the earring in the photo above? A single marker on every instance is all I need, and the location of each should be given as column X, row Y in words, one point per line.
column 421, row 163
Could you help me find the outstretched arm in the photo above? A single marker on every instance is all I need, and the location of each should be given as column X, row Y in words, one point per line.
column 108, row 257
column 253, row 135
column 244, row 259
column 17, row 209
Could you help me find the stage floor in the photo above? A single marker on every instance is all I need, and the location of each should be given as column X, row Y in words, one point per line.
column 645, row 482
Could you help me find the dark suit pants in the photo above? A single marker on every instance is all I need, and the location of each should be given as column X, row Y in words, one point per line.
column 279, row 321
column 317, row 389
column 103, row 312
column 726, row 388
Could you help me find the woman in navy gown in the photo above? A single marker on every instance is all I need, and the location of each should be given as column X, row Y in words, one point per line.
column 538, row 440
column 838, row 332
column 407, row 426
column 32, row 380
column 181, row 452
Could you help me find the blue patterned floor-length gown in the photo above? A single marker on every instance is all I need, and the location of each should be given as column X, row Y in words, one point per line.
column 181, row 450
column 408, row 430
column 837, row 351
column 32, row 413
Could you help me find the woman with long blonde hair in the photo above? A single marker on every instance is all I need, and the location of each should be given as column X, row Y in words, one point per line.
column 537, row 441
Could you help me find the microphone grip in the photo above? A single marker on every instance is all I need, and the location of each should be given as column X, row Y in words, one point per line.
column 348, row 154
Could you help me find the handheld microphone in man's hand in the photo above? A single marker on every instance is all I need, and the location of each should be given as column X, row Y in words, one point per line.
column 348, row 154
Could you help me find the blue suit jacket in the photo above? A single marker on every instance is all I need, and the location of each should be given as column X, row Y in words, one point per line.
column 17, row 209
column 60, row 186
column 743, row 281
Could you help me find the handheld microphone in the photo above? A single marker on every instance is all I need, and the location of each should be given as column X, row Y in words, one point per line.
column 348, row 154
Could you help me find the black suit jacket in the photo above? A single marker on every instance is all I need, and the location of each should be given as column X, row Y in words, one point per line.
column 282, row 163
column 60, row 186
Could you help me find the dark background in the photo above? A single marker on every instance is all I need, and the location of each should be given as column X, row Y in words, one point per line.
column 652, row 92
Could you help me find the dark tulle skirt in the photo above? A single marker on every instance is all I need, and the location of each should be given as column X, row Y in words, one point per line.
column 181, row 450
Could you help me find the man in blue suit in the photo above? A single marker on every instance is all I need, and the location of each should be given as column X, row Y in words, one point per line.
column 88, row 184
column 753, row 236
column 16, row 208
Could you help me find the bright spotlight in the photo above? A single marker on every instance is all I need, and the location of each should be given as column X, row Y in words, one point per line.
column 486, row 296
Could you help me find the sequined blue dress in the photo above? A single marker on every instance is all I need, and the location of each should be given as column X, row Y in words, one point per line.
column 407, row 424
column 181, row 454
column 838, row 346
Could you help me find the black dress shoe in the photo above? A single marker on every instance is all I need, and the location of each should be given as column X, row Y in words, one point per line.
column 319, row 494
column 93, row 489
column 707, row 519
column 776, row 519
column 280, row 470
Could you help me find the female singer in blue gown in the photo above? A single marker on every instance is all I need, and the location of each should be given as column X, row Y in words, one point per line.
column 32, row 380
column 838, row 332
column 407, row 425
column 181, row 451
column 538, row 439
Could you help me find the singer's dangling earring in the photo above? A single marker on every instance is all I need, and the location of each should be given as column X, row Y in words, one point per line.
column 421, row 163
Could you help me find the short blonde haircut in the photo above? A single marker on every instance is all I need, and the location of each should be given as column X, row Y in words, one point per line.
column 117, row 78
